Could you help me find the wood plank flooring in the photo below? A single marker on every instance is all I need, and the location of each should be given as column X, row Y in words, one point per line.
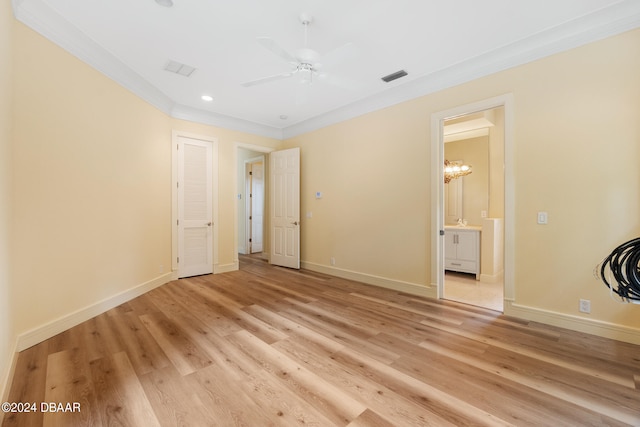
column 267, row 346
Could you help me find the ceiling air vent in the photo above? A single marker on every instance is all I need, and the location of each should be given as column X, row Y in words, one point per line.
column 178, row 68
column 393, row 76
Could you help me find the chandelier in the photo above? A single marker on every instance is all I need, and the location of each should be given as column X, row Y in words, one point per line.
column 453, row 170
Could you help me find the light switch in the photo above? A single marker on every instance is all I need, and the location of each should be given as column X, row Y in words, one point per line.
column 543, row 218
column 318, row 194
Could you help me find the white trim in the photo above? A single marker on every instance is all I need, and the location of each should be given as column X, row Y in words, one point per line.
column 615, row 19
column 396, row 285
column 231, row 123
column 248, row 201
column 39, row 16
column 8, row 376
column 575, row 323
column 175, row 134
column 61, row 324
column 252, row 147
column 226, row 268
column 606, row 22
column 437, row 190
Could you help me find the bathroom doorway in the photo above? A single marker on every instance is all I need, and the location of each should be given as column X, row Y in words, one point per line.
column 473, row 220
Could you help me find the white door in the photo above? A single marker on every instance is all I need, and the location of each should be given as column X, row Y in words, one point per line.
column 284, row 208
column 257, row 206
column 195, row 207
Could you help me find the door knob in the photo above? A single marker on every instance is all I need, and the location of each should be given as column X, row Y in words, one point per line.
column 295, row 223
column 209, row 224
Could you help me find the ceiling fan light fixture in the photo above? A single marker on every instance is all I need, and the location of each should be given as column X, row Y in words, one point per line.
column 165, row 3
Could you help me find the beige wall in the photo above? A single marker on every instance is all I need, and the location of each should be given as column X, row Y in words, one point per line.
column 7, row 313
column 91, row 198
column 92, row 186
column 576, row 148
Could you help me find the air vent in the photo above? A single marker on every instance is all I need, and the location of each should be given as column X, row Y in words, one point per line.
column 178, row 68
column 393, row 76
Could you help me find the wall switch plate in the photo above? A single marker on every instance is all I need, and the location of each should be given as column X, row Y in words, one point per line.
column 543, row 218
column 483, row 214
column 585, row 306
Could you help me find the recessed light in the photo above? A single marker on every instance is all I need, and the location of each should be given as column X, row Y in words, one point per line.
column 165, row 3
column 284, row 117
column 207, row 98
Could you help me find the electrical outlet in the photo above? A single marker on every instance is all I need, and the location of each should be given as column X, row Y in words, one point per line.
column 585, row 306
column 332, row 261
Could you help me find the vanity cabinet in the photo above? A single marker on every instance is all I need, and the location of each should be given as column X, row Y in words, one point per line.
column 462, row 249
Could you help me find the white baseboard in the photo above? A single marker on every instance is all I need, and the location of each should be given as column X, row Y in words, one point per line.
column 44, row 332
column 225, row 268
column 6, row 377
column 396, row 285
column 575, row 323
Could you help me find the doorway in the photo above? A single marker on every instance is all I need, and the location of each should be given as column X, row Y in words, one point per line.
column 254, row 179
column 479, row 135
column 248, row 158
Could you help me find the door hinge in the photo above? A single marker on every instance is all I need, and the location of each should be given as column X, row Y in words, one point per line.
column 249, row 240
column 250, row 172
column 177, row 185
column 177, row 222
column 177, row 146
column 178, row 260
column 250, row 217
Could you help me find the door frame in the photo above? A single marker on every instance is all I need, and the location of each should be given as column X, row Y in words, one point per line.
column 259, row 149
column 175, row 135
column 437, row 190
column 249, row 201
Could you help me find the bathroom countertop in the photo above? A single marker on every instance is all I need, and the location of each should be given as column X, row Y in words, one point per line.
column 463, row 227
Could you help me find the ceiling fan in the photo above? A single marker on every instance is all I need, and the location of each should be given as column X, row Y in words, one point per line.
column 305, row 60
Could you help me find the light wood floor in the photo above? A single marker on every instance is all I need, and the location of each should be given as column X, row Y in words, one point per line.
column 270, row 346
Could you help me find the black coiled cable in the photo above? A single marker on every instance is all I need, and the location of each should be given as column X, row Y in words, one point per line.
column 623, row 266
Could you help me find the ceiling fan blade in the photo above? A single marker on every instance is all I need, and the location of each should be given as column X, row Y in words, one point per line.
column 267, row 79
column 274, row 47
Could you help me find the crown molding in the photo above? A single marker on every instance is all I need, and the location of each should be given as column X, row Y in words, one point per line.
column 618, row 18
column 232, row 123
column 37, row 15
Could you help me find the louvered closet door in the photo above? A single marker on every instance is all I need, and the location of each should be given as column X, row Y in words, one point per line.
column 195, row 207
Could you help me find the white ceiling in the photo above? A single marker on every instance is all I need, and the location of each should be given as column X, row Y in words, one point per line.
column 440, row 43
